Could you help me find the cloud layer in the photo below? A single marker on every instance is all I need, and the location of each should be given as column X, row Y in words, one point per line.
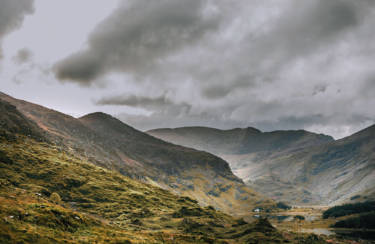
column 271, row 64
column 136, row 36
column 12, row 14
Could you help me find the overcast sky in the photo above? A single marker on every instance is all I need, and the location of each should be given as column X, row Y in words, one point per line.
column 275, row 64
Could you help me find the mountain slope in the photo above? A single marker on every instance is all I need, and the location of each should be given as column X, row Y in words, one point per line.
column 340, row 170
column 107, row 142
column 14, row 122
column 295, row 166
column 48, row 195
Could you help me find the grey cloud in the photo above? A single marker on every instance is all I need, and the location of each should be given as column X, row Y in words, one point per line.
column 268, row 64
column 23, row 55
column 218, row 91
column 177, row 118
column 303, row 29
column 137, row 37
column 135, row 101
column 319, row 88
column 159, row 104
column 12, row 14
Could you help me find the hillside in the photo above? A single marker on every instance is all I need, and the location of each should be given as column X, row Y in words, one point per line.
column 107, row 142
column 294, row 166
column 49, row 195
column 12, row 122
column 98, row 205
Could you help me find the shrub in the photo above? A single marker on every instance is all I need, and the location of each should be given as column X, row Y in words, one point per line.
column 55, row 197
column 362, row 221
column 282, row 205
column 348, row 209
column 299, row 217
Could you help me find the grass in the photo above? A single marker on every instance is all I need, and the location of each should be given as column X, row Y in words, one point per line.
column 48, row 195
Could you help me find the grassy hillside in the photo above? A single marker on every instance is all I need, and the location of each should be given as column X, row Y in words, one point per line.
column 96, row 204
column 109, row 143
column 51, row 195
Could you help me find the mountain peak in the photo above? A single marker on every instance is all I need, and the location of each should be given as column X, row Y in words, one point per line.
column 107, row 122
column 97, row 115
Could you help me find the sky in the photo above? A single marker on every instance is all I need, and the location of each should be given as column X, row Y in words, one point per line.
column 273, row 65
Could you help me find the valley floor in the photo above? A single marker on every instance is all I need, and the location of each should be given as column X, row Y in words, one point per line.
column 308, row 219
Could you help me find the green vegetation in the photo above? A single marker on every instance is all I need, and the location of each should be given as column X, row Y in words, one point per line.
column 348, row 209
column 48, row 195
column 55, row 197
column 299, row 217
column 52, row 194
column 283, row 205
column 109, row 143
column 362, row 221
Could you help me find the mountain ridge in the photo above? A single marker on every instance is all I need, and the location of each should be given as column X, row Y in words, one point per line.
column 48, row 195
column 241, row 140
column 108, row 142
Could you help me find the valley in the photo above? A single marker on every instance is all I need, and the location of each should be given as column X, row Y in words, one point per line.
column 97, row 180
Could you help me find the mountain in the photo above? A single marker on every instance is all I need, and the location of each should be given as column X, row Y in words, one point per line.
column 107, row 142
column 50, row 195
column 339, row 171
column 298, row 167
column 239, row 141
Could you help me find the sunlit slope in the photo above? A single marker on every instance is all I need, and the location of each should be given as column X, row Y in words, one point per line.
column 96, row 204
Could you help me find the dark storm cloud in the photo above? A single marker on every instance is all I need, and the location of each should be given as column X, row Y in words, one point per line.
column 136, row 37
column 12, row 13
column 271, row 64
column 303, row 29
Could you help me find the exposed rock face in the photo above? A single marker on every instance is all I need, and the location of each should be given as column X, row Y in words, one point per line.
column 107, row 142
column 295, row 166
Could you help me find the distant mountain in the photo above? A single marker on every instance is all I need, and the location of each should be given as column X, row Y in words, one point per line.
column 107, row 142
column 239, row 141
column 299, row 167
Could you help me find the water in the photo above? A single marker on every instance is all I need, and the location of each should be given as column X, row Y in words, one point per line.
column 281, row 218
column 319, row 231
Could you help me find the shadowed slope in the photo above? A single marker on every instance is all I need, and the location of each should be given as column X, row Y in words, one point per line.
column 294, row 166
